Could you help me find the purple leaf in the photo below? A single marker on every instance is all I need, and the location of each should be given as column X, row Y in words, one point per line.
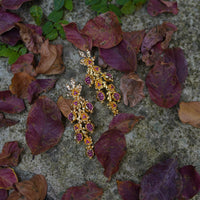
column 36, row 28
column 3, row 194
column 6, row 122
column 12, row 4
column 121, row 57
column 156, row 7
column 10, row 37
column 10, row 103
column 7, row 21
column 191, row 182
column 161, row 182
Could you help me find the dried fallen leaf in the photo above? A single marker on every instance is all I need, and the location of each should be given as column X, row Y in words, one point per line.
column 44, row 126
column 4, row 122
column 7, row 178
column 9, row 103
column 3, row 194
column 10, row 154
column 189, row 113
column 128, row 190
column 30, row 37
column 124, row 122
column 24, row 64
column 89, row 191
column 121, row 57
column 51, row 59
column 156, row 7
column 12, row 4
column 10, row 37
column 64, row 105
column 191, row 182
column 105, row 30
column 161, row 182
column 20, row 83
column 110, row 149
column 131, row 87
column 80, row 40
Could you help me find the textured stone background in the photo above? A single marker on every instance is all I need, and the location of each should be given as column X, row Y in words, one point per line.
column 160, row 135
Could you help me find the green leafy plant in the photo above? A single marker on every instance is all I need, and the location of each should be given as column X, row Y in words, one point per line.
column 36, row 13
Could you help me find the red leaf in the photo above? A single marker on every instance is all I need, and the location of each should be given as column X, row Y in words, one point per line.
column 7, row 21
column 128, row 190
column 80, row 40
column 110, row 149
column 105, row 30
column 24, row 64
column 51, row 59
column 163, row 84
column 10, row 103
column 38, row 86
column 161, row 182
column 191, row 182
column 12, row 4
column 10, row 154
column 124, row 122
column 121, row 57
column 7, row 178
column 89, row 191
column 131, row 87
column 10, row 37
column 3, row 194
column 135, row 38
column 6, row 122
column 44, row 126
column 156, row 7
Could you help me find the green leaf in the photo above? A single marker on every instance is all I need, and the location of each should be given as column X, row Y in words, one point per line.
column 69, row 5
column 102, row 7
column 58, row 4
column 23, row 51
column 139, row 1
column 62, row 34
column 55, row 16
column 52, row 35
column 13, row 57
column 60, row 29
column 36, row 13
column 91, row 2
column 47, row 28
column 122, row 2
column 115, row 9
column 63, row 22
column 16, row 47
column 128, row 8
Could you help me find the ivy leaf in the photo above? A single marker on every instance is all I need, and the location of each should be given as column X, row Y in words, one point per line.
column 47, row 27
column 128, row 8
column 122, row 2
column 69, row 5
column 52, row 35
column 58, row 4
column 91, row 2
column 55, row 16
column 36, row 13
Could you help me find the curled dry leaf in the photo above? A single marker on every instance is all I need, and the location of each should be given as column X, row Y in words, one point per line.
column 3, row 194
column 30, row 37
column 121, row 57
column 24, row 64
column 124, row 122
column 37, row 29
column 88, row 191
column 161, row 182
column 7, row 20
column 10, row 154
column 131, row 87
column 7, row 178
column 9, row 103
column 191, row 182
column 12, row 4
column 64, row 105
column 33, row 189
column 4, row 122
column 44, row 126
column 163, row 84
column 78, row 39
column 10, row 37
column 51, row 59
column 156, row 7
column 110, row 149
column 20, row 83
column 38, row 86
column 105, row 30
column 189, row 113
column 128, row 190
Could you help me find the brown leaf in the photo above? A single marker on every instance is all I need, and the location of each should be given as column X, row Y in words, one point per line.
column 64, row 105
column 189, row 113
column 4, row 122
column 51, row 59
column 33, row 189
column 131, row 87
column 20, row 83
